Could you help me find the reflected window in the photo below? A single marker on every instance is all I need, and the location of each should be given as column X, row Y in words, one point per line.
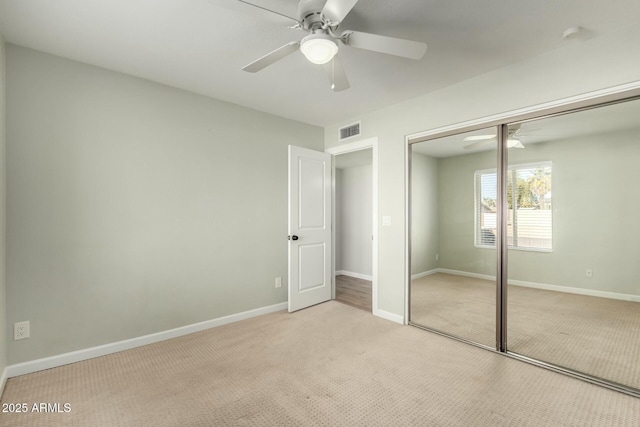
column 530, row 219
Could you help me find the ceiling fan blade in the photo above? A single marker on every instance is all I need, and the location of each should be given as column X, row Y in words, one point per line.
column 336, row 10
column 479, row 137
column 337, row 76
column 511, row 143
column 272, row 57
column 383, row 44
column 478, row 144
column 269, row 10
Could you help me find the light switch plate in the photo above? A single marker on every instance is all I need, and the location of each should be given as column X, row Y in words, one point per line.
column 386, row 221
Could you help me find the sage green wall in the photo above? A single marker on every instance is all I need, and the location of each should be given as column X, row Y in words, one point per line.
column 580, row 67
column 134, row 207
column 5, row 331
column 456, row 214
column 354, row 205
column 595, row 217
column 424, row 213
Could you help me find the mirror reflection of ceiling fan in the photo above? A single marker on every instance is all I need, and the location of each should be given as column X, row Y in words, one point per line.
column 321, row 20
column 513, row 140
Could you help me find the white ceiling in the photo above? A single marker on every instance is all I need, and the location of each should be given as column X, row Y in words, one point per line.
column 201, row 45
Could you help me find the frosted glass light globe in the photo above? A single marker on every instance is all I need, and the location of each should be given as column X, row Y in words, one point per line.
column 318, row 48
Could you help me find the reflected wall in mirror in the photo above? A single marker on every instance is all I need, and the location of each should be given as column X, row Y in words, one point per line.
column 574, row 236
column 453, row 228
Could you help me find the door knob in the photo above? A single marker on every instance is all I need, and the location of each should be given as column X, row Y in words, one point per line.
column 294, row 237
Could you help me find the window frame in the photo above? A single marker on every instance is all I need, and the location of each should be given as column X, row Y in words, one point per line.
column 476, row 204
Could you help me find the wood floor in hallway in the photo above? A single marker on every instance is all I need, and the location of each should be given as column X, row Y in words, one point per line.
column 353, row 291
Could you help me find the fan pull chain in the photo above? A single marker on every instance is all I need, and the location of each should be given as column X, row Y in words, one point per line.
column 333, row 73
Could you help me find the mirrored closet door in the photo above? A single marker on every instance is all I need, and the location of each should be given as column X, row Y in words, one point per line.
column 574, row 241
column 556, row 212
column 453, row 223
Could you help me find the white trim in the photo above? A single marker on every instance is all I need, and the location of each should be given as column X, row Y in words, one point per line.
column 577, row 291
column 349, row 148
column 548, row 287
column 424, row 274
column 389, row 316
column 352, row 274
column 353, row 146
column 466, row 274
column 3, row 380
column 408, row 169
column 103, row 350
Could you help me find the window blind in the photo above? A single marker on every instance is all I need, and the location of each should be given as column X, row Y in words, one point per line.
column 529, row 207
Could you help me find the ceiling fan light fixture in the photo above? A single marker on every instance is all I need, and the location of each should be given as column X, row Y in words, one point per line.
column 319, row 48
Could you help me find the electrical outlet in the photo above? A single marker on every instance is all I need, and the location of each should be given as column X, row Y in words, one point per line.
column 21, row 330
column 589, row 272
column 278, row 282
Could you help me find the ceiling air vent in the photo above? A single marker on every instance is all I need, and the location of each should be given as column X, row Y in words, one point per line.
column 350, row 131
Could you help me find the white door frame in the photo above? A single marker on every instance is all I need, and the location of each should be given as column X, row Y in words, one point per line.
column 365, row 144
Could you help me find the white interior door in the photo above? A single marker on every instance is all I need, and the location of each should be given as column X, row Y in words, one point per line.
column 309, row 227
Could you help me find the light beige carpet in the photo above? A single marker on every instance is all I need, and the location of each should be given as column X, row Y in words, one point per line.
column 328, row 365
column 599, row 336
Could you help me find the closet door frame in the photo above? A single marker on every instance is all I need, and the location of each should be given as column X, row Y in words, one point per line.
column 615, row 95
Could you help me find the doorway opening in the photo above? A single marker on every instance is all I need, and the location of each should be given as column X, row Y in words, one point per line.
column 353, row 177
column 355, row 224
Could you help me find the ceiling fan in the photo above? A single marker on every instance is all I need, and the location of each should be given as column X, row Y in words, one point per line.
column 513, row 140
column 321, row 19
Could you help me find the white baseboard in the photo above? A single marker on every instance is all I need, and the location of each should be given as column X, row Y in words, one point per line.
column 466, row 274
column 103, row 350
column 3, row 381
column 425, row 274
column 352, row 274
column 577, row 291
column 389, row 316
column 547, row 287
